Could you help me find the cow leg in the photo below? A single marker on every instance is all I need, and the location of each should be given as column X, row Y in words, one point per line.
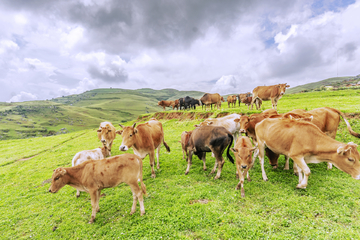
column 298, row 172
column 215, row 166
column 189, row 162
column 286, row 163
column 137, row 195
column 305, row 169
column 329, row 166
column 152, row 163
column 203, row 158
column 261, row 146
column 157, row 157
column 77, row 193
column 94, row 194
column 221, row 162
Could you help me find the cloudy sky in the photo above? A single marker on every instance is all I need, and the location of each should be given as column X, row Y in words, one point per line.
column 54, row 48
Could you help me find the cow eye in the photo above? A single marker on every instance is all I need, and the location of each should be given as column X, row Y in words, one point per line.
column 130, row 135
column 351, row 159
column 57, row 178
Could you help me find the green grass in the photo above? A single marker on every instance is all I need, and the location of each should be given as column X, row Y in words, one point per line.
column 328, row 209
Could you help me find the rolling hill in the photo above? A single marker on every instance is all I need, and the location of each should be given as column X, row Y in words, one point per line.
column 81, row 111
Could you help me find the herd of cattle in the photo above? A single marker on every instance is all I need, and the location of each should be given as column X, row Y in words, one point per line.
column 303, row 136
column 259, row 94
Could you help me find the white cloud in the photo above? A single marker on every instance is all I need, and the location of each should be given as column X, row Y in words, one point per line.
column 23, row 96
column 84, row 85
column 7, row 45
column 280, row 38
column 225, row 85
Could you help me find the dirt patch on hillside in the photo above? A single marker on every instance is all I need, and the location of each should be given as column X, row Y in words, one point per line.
column 181, row 116
column 222, row 114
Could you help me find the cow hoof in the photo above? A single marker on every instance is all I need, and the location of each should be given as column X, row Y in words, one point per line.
column 300, row 186
column 216, row 177
column 153, row 176
column 186, row 173
column 205, row 169
column 142, row 214
column 131, row 213
column 265, row 179
column 158, row 167
column 286, row 168
column 237, row 188
column 275, row 167
column 91, row 221
column 77, row 195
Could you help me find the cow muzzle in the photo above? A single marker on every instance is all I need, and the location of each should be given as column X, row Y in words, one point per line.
column 244, row 166
column 242, row 130
column 123, row 148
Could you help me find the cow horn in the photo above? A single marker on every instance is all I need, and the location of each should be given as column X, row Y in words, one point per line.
column 134, row 125
column 121, row 125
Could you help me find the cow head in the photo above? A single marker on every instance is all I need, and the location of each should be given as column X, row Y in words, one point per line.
column 128, row 137
column 58, row 180
column 282, row 87
column 244, row 122
column 106, row 135
column 105, row 151
column 243, row 157
column 204, row 123
column 160, row 103
column 347, row 159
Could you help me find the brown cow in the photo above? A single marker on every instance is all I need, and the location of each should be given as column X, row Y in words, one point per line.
column 247, row 101
column 106, row 134
column 273, row 93
column 325, row 118
column 231, row 100
column 95, row 154
column 209, row 139
column 185, row 135
column 305, row 143
column 241, row 96
column 164, row 103
column 210, row 99
column 94, row 175
column 176, row 104
column 243, row 151
column 144, row 139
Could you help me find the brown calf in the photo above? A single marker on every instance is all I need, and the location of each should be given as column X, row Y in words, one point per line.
column 94, row 175
column 106, row 134
column 243, row 151
column 231, row 100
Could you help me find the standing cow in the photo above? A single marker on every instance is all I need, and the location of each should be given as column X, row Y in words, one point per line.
column 106, row 134
column 273, row 93
column 231, row 100
column 144, row 139
column 93, row 176
column 241, row 96
column 305, row 143
column 210, row 99
column 209, row 139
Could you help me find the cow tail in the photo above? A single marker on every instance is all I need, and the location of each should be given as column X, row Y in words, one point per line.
column 228, row 154
column 355, row 134
column 143, row 187
column 166, row 146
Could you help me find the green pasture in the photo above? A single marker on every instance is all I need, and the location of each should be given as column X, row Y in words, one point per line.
column 179, row 206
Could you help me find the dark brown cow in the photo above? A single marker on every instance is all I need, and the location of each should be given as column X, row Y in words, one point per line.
column 210, row 99
column 164, row 104
column 106, row 134
column 176, row 104
column 94, row 175
column 209, row 139
column 243, row 151
column 144, row 139
column 231, row 100
column 305, row 143
column 241, row 96
column 273, row 93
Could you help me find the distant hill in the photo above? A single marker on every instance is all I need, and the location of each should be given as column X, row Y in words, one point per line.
column 335, row 82
column 81, row 111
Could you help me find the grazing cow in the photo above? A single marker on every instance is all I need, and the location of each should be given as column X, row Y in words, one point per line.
column 191, row 102
column 185, row 142
column 247, row 101
column 176, row 104
column 273, row 93
column 95, row 154
column 164, row 104
column 227, row 122
column 241, row 96
column 305, row 143
column 209, row 139
column 181, row 103
column 144, row 139
column 231, row 100
column 325, row 118
column 210, row 99
column 243, row 151
column 92, row 176
column 106, row 134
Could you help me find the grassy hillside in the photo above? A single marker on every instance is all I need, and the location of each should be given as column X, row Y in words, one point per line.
column 80, row 111
column 336, row 82
column 178, row 206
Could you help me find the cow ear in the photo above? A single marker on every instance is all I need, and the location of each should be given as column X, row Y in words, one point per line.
column 209, row 123
column 99, row 130
column 237, row 120
column 233, row 150
column 135, row 130
column 186, row 131
column 343, row 149
column 62, row 171
column 119, row 132
column 196, row 125
column 287, row 86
